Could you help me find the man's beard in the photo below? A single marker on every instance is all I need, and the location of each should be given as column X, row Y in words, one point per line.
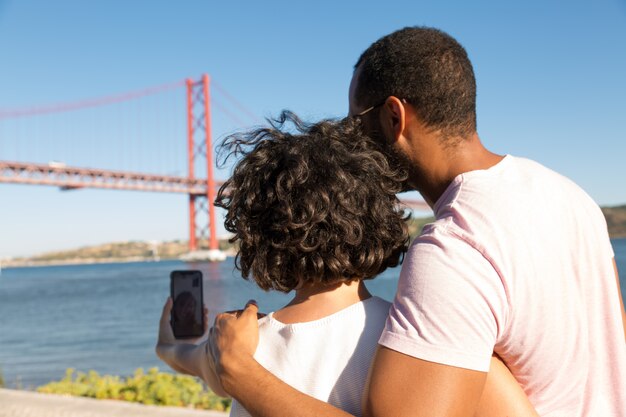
column 395, row 157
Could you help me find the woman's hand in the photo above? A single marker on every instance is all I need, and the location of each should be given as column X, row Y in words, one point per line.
column 166, row 342
column 166, row 334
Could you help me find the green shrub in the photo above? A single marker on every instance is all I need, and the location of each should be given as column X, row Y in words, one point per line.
column 1, row 379
column 154, row 387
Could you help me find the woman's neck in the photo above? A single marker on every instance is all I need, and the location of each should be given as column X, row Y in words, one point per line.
column 318, row 301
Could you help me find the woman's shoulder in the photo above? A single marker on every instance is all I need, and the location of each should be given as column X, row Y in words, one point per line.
column 371, row 309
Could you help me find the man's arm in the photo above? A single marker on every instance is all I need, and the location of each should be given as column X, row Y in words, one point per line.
column 264, row 395
column 621, row 298
column 401, row 385
column 503, row 395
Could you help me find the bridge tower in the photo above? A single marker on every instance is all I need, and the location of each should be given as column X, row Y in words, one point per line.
column 202, row 225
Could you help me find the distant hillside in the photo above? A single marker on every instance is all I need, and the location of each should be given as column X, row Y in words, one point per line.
column 112, row 252
column 616, row 220
column 132, row 249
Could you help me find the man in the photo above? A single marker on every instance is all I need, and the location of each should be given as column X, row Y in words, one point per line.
column 518, row 263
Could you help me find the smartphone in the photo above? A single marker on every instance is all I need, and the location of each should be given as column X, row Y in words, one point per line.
column 187, row 318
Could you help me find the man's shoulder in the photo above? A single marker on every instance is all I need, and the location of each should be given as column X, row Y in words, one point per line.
column 514, row 190
column 558, row 193
column 538, row 177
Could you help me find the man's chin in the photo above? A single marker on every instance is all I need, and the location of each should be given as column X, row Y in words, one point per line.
column 397, row 159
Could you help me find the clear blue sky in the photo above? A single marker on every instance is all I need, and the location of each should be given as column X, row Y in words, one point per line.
column 551, row 86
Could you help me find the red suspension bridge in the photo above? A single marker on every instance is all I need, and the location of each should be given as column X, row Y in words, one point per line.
column 143, row 140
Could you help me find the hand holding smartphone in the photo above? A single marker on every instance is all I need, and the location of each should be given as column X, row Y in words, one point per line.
column 187, row 317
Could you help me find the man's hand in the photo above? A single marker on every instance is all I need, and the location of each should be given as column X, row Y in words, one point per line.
column 232, row 340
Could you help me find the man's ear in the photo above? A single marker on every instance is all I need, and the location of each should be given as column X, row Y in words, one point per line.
column 393, row 117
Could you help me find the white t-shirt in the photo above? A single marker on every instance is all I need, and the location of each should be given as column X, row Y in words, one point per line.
column 328, row 358
column 518, row 262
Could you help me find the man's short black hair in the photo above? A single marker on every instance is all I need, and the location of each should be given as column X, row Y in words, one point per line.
column 429, row 69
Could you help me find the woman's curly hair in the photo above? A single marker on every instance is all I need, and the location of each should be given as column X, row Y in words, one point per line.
column 312, row 204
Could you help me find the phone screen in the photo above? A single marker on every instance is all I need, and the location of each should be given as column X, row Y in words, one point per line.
column 187, row 316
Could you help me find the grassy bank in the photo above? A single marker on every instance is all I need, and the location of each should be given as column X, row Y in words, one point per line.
column 151, row 388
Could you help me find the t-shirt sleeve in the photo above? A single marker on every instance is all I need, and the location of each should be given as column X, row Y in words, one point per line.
column 603, row 229
column 450, row 305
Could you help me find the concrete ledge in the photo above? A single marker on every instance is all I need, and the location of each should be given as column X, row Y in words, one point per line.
column 15, row 403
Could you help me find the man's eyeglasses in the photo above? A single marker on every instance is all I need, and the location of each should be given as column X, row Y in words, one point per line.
column 369, row 109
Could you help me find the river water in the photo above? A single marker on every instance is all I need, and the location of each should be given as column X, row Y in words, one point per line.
column 105, row 316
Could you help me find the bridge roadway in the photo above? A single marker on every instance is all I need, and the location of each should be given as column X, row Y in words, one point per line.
column 57, row 174
column 70, row 178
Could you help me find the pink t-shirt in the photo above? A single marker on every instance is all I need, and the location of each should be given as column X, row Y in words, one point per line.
column 518, row 262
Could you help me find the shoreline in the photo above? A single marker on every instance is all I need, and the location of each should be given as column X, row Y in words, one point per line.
column 12, row 264
column 76, row 261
